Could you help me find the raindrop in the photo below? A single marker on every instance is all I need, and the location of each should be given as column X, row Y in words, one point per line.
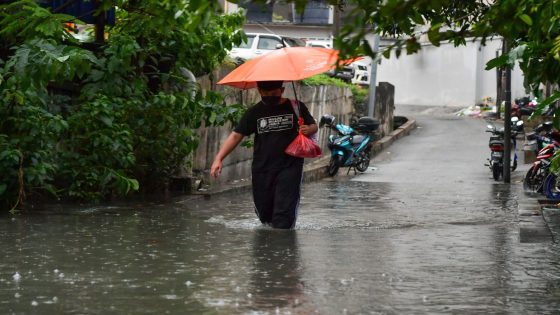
column 16, row 276
column 55, row 299
column 55, row 271
column 61, row 275
column 277, row 310
column 249, row 295
column 188, row 283
column 17, row 295
column 34, row 303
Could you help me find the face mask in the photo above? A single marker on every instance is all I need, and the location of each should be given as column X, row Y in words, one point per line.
column 271, row 100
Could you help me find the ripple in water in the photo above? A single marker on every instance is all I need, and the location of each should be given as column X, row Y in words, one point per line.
column 312, row 224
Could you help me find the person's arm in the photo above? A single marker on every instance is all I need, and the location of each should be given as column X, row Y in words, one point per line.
column 308, row 130
column 310, row 126
column 231, row 143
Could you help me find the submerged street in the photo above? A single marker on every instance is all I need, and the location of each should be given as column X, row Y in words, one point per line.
column 426, row 230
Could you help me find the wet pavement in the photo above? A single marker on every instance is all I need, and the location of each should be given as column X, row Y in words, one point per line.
column 425, row 231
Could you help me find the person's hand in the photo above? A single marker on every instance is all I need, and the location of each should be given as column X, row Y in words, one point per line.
column 216, row 168
column 305, row 130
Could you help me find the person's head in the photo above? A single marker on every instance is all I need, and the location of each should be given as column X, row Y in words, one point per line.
column 270, row 88
column 271, row 91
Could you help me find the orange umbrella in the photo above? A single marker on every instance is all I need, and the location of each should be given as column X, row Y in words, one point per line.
column 285, row 64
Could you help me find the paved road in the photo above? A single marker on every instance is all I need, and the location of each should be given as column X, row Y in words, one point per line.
column 426, row 231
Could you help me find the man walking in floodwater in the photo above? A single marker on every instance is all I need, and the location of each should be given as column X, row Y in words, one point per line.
column 276, row 176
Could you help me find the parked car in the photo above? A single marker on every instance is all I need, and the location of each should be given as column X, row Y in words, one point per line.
column 345, row 73
column 318, row 43
column 362, row 73
column 259, row 44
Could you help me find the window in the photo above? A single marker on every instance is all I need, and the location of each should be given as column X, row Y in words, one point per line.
column 249, row 44
column 294, row 42
column 268, row 43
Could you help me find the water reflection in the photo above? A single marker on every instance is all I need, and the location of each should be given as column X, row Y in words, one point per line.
column 276, row 280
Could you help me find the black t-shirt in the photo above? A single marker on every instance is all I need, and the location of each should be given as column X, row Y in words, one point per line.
column 275, row 127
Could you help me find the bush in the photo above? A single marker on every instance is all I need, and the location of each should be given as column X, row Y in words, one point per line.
column 359, row 94
column 94, row 124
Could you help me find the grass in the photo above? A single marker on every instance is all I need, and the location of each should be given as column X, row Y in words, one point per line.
column 359, row 94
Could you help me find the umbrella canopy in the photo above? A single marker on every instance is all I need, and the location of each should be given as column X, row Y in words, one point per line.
column 285, row 64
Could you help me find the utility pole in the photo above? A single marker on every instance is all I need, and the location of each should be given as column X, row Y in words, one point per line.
column 507, row 117
column 373, row 77
column 499, row 89
column 336, row 21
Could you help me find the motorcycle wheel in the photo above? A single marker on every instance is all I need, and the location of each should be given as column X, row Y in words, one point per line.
column 551, row 189
column 363, row 162
column 496, row 171
column 333, row 167
column 534, row 179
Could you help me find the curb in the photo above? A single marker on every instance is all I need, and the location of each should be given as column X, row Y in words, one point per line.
column 533, row 227
column 317, row 169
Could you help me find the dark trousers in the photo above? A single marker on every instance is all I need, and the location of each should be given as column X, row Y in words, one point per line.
column 276, row 195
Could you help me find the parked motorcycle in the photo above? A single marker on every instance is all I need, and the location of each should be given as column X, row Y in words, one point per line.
column 546, row 140
column 497, row 144
column 517, row 125
column 535, row 178
column 351, row 145
column 541, row 136
column 526, row 105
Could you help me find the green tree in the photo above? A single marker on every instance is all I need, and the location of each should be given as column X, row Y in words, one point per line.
column 92, row 121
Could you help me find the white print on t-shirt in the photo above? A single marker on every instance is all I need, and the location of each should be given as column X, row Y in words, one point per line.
column 275, row 123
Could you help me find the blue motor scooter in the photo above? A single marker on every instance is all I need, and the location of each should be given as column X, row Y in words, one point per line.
column 351, row 145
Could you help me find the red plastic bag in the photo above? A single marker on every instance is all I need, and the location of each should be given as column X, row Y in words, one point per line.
column 303, row 147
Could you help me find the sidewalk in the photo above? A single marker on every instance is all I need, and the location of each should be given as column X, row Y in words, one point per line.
column 538, row 221
column 539, row 218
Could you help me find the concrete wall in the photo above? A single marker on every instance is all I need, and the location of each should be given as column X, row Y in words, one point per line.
column 319, row 99
column 446, row 75
column 384, row 107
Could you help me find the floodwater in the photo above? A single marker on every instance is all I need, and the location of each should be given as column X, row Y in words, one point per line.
column 380, row 253
column 377, row 243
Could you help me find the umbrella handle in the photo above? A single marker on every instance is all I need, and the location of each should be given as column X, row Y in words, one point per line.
column 295, row 96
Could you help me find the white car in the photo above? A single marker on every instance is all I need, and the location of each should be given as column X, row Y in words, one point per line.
column 318, row 43
column 259, row 44
column 362, row 72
